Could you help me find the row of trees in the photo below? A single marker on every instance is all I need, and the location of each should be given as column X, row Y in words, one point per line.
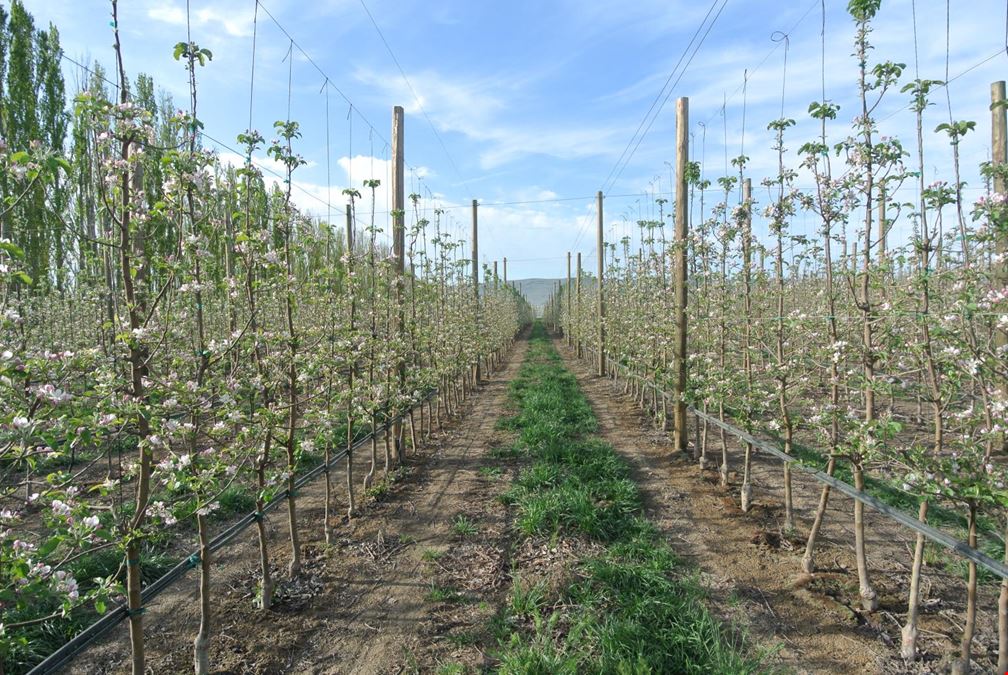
column 32, row 111
column 889, row 355
column 183, row 333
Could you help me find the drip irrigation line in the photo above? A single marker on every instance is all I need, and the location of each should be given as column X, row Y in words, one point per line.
column 934, row 534
column 807, row 318
column 114, row 617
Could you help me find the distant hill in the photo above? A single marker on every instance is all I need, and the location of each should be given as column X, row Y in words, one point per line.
column 538, row 291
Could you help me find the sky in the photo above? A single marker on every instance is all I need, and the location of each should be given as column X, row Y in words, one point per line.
column 531, row 106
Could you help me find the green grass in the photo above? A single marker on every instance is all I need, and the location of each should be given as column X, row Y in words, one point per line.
column 526, row 599
column 440, row 594
column 492, row 472
column 463, row 639
column 513, row 451
column 464, row 527
column 235, row 500
column 38, row 641
column 431, row 554
column 632, row 608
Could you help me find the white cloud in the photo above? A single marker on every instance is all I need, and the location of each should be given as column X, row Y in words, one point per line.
column 475, row 108
column 170, row 14
column 233, row 17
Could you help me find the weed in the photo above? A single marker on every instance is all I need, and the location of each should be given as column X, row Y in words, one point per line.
column 464, row 527
column 443, row 594
column 431, row 554
column 491, row 472
column 378, row 490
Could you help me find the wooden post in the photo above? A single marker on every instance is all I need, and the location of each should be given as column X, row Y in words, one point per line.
column 569, row 331
column 505, row 271
column 398, row 189
column 399, row 254
column 496, row 278
column 555, row 304
column 999, row 156
column 475, row 274
column 578, row 343
column 600, row 244
column 681, row 433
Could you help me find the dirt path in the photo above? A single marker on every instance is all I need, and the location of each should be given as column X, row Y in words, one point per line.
column 364, row 604
column 752, row 569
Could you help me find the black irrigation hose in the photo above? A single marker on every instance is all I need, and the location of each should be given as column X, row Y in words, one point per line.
column 934, row 534
column 114, row 617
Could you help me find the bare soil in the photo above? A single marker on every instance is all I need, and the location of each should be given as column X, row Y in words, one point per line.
column 365, row 604
column 752, row 567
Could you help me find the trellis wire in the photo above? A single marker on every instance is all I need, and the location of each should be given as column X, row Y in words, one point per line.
column 114, row 617
column 903, row 518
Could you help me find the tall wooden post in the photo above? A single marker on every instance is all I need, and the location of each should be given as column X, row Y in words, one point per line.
column 399, row 254
column 475, row 275
column 496, row 278
column 600, row 244
column 555, row 304
column 578, row 343
column 999, row 156
column 681, row 433
column 505, row 271
column 398, row 190
column 568, row 330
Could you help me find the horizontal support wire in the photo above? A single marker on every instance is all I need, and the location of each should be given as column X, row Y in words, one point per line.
column 903, row 518
column 114, row 617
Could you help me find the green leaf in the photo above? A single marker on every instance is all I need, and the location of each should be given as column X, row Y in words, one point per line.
column 48, row 547
column 12, row 249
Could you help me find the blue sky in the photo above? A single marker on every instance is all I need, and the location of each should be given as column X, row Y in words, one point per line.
column 534, row 102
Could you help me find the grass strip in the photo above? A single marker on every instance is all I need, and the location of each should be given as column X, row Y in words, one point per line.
column 634, row 607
